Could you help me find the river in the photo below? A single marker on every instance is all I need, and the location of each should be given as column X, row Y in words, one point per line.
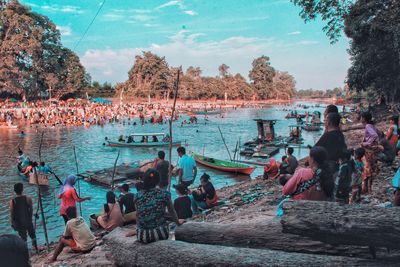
column 92, row 155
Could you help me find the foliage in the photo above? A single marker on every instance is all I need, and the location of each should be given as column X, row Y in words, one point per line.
column 262, row 75
column 33, row 62
column 374, row 28
column 101, row 90
column 311, row 93
column 333, row 12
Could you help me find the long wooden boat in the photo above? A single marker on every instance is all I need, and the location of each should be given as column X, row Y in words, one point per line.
column 223, row 165
column 143, row 144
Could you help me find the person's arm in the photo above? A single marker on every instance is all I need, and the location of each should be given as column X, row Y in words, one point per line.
column 172, row 212
column 78, row 198
column 30, row 206
column 291, row 185
column 11, row 212
column 180, row 172
column 370, row 136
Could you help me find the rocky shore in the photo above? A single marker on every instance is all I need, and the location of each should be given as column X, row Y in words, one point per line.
column 251, row 201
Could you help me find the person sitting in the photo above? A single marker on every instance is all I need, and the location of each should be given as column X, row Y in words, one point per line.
column 205, row 196
column 127, row 205
column 271, row 170
column 166, row 138
column 142, row 141
column 387, row 152
column 392, row 135
column 151, row 206
column 130, row 139
column 155, row 139
column 182, row 204
column 343, row 180
column 284, row 164
column 44, row 168
column 77, row 235
column 111, row 217
column 314, row 182
column 121, row 139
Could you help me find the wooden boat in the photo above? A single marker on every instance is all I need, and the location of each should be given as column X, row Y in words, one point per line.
column 144, row 144
column 291, row 115
column 223, row 165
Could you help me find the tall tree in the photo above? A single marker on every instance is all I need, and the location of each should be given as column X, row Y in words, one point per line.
column 223, row 70
column 33, row 61
column 148, row 76
column 262, row 75
column 284, row 85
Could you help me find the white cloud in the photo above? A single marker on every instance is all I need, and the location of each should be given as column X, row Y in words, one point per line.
column 190, row 12
column 65, row 30
column 112, row 17
column 238, row 52
column 294, row 33
column 171, row 3
column 142, row 18
column 63, row 9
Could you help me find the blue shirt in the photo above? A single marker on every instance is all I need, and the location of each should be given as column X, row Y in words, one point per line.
column 187, row 164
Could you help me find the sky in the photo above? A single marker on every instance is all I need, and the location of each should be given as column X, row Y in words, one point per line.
column 203, row 33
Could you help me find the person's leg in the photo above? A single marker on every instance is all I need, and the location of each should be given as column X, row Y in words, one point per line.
column 396, row 201
column 65, row 218
column 32, row 235
column 59, row 248
column 22, row 233
column 195, row 207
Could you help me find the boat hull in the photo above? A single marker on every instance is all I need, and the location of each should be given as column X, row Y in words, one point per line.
column 139, row 144
column 222, row 165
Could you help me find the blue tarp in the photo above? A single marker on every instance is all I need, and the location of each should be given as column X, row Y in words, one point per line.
column 101, row 100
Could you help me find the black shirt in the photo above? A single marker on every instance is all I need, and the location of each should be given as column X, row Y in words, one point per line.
column 183, row 208
column 162, row 168
column 127, row 202
column 334, row 143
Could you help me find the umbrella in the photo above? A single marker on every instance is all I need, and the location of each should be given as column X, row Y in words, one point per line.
column 101, row 100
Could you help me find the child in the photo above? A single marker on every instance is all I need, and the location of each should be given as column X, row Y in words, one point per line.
column 356, row 178
column 183, row 203
column 284, row 165
column 343, row 180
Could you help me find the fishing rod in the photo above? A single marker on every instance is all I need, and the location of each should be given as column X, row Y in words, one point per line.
column 79, row 184
column 223, row 140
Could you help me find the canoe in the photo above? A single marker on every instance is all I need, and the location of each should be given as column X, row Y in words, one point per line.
column 140, row 144
column 223, row 165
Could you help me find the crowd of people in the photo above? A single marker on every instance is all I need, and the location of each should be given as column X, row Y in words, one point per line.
column 151, row 208
column 334, row 172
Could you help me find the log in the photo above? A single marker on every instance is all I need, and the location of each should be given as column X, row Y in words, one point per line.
column 336, row 224
column 262, row 235
column 128, row 252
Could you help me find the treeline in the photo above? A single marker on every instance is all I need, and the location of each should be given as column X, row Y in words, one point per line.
column 151, row 75
column 312, row 93
column 374, row 32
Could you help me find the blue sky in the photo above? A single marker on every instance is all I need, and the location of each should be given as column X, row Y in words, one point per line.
column 204, row 33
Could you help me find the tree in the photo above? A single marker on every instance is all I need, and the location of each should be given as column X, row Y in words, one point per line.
column 33, row 62
column 148, row 76
column 262, row 75
column 333, row 12
column 223, row 70
column 374, row 28
column 284, row 85
column 193, row 72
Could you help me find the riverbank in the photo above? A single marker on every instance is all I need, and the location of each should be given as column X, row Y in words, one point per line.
column 250, row 201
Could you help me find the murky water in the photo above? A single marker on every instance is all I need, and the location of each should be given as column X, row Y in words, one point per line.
column 57, row 151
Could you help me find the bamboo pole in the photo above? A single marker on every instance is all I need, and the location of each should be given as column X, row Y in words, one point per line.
column 113, row 174
column 79, row 184
column 40, row 203
column 223, row 140
column 170, row 128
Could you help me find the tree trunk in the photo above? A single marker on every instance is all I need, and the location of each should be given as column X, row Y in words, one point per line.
column 332, row 223
column 128, row 252
column 263, row 235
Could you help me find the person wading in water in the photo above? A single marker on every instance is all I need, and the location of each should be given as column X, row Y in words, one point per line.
column 21, row 215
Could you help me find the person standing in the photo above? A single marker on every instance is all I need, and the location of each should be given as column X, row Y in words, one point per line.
column 187, row 167
column 68, row 196
column 21, row 212
column 162, row 166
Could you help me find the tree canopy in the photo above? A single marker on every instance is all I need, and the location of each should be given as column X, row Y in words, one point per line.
column 151, row 75
column 33, row 61
column 373, row 27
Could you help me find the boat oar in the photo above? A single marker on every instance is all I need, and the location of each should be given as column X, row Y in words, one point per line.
column 79, row 184
column 58, row 178
column 223, row 140
column 113, row 174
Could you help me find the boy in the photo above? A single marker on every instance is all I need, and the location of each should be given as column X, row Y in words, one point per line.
column 356, row 178
column 21, row 215
column 343, row 180
column 77, row 235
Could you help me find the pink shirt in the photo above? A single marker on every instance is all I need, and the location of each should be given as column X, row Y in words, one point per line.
column 302, row 175
column 68, row 199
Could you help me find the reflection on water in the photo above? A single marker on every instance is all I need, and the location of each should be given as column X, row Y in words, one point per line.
column 58, row 153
